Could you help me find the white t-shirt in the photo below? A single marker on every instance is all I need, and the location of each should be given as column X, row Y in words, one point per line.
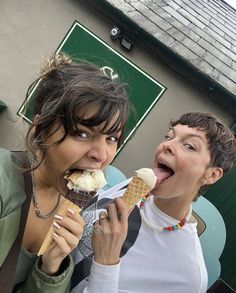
column 158, row 262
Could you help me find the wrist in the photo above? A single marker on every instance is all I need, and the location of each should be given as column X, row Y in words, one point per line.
column 106, row 261
column 51, row 271
column 54, row 269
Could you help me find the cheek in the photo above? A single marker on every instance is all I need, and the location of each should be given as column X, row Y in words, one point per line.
column 64, row 153
column 192, row 172
column 111, row 154
column 60, row 158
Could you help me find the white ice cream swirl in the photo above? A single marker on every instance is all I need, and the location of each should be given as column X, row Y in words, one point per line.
column 148, row 176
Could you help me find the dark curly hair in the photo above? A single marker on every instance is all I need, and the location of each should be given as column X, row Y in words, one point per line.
column 64, row 94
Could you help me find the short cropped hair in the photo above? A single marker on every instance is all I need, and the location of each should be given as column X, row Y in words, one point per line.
column 221, row 140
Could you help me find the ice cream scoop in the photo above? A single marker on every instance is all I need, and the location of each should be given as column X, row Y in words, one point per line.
column 148, row 176
column 86, row 180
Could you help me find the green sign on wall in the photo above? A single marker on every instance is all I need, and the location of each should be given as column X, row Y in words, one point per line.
column 144, row 91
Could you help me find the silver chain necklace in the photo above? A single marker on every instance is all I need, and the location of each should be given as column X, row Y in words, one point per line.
column 35, row 200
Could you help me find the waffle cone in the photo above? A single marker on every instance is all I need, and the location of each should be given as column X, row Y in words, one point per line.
column 136, row 189
column 62, row 211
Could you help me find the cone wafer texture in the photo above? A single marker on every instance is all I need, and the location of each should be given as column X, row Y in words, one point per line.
column 62, row 211
column 136, row 189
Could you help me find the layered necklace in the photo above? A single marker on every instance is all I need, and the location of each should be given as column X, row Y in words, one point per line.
column 38, row 213
column 158, row 228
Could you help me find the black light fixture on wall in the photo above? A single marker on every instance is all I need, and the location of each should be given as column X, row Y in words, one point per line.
column 117, row 34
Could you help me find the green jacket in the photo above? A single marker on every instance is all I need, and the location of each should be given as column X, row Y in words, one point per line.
column 12, row 196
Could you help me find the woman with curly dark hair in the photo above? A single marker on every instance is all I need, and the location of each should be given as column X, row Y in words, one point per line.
column 79, row 115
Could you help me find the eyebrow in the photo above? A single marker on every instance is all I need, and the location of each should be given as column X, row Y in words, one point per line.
column 189, row 135
column 195, row 135
column 95, row 129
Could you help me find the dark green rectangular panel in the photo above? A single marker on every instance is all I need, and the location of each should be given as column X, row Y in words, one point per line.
column 143, row 90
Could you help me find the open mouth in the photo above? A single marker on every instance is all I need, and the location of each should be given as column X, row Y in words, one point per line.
column 80, row 186
column 68, row 173
column 85, row 180
column 70, row 178
column 164, row 172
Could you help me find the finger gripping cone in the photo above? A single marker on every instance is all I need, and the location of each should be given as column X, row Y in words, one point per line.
column 62, row 211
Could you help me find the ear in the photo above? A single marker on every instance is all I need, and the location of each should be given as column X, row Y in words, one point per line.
column 212, row 175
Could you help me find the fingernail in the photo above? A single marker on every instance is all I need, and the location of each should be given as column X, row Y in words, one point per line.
column 54, row 235
column 56, row 225
column 70, row 211
column 57, row 217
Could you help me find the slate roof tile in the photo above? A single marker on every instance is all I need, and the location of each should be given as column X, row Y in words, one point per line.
column 233, row 48
column 217, row 38
column 193, row 4
column 184, row 51
column 223, row 29
column 226, row 51
column 124, row 6
column 159, row 21
column 193, row 46
column 172, row 4
column 234, row 65
column 193, row 35
column 166, row 38
column 144, row 23
column 209, row 11
column 192, row 19
column 191, row 11
column 228, row 38
column 177, row 15
column 222, row 67
column 202, row 33
column 204, row 66
column 179, row 36
column 216, row 29
column 217, row 53
column 215, row 7
column 227, row 83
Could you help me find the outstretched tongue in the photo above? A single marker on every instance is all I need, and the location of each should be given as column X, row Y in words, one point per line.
column 163, row 173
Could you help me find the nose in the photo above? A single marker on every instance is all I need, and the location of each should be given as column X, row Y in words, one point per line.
column 168, row 146
column 99, row 152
